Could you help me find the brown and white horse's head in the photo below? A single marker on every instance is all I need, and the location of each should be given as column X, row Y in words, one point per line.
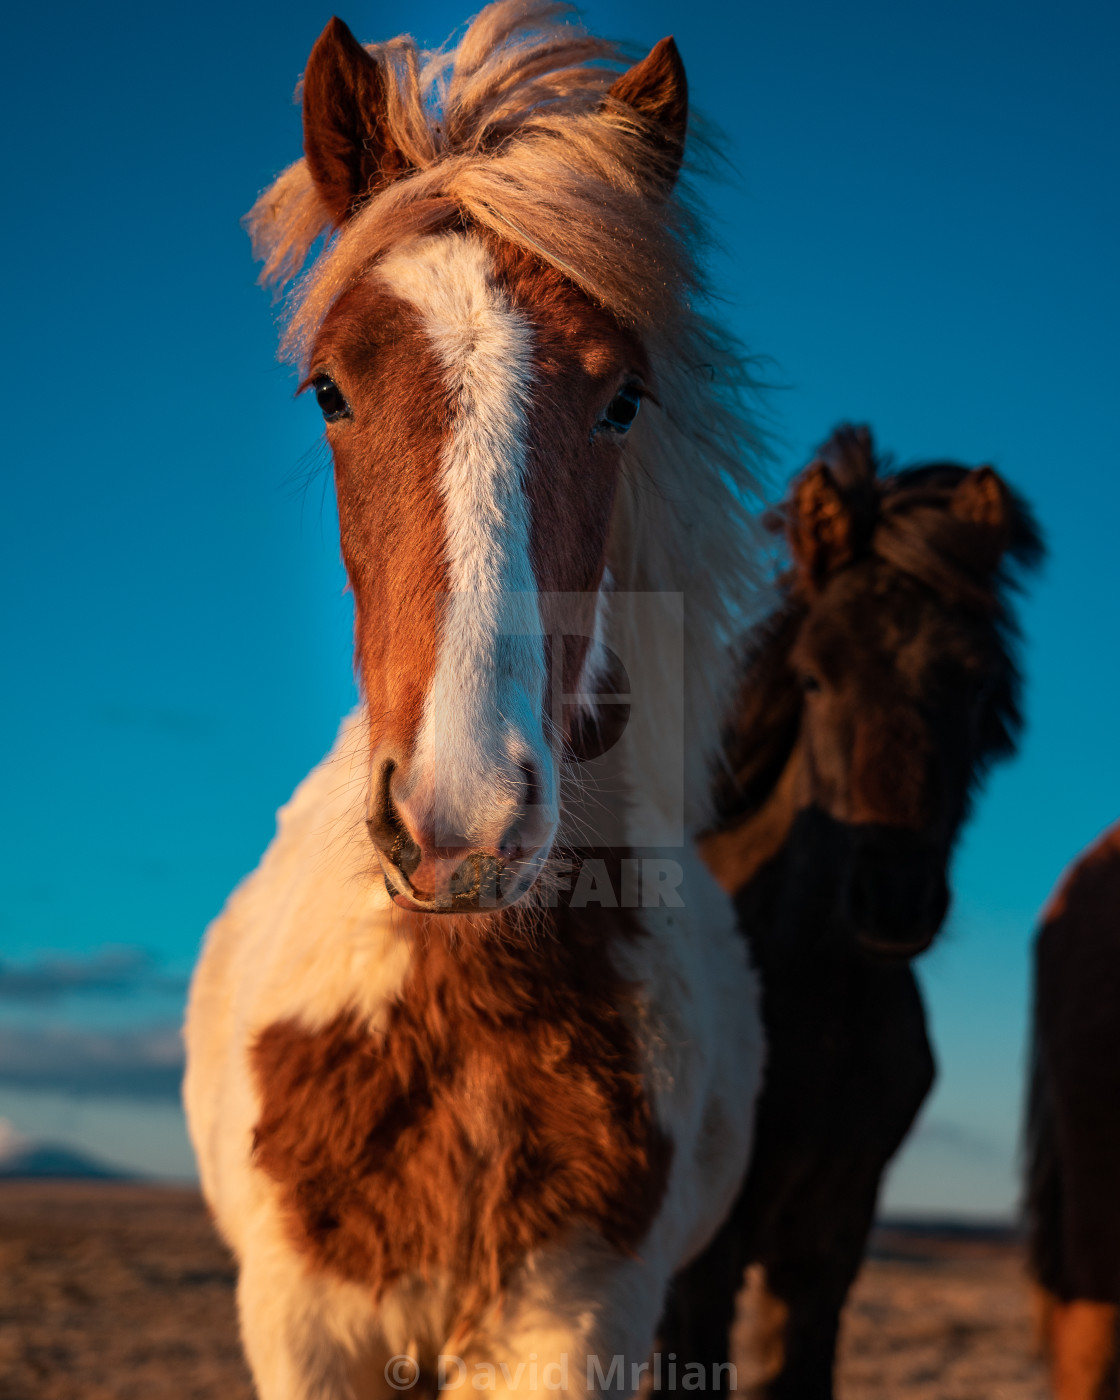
column 477, row 407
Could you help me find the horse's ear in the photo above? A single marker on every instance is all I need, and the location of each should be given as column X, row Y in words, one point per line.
column 345, row 134
column 819, row 527
column 850, row 455
column 657, row 89
column 983, row 500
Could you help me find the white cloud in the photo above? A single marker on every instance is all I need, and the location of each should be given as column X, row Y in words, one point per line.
column 139, row 1064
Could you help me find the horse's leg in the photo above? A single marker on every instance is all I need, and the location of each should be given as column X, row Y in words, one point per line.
column 793, row 1109
column 805, row 1289
column 785, row 1337
column 306, row 1336
column 575, row 1321
column 700, row 1308
column 812, row 1191
column 1081, row 1337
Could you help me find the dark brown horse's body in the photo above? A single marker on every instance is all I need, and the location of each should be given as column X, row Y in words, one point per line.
column 873, row 702
column 1074, row 1127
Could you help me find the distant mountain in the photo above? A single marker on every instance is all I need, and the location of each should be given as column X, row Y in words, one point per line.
column 22, row 1157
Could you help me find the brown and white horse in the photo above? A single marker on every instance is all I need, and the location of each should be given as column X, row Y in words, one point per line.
column 471, row 1056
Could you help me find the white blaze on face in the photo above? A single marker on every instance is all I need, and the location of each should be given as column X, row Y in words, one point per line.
column 482, row 724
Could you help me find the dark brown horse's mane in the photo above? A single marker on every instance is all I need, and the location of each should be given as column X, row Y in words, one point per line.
column 917, row 532
column 904, row 519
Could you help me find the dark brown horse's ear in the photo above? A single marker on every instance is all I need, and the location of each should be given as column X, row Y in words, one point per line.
column 345, row 134
column 819, row 527
column 850, row 455
column 983, row 500
column 657, row 89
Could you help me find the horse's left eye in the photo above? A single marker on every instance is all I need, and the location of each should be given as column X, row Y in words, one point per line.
column 331, row 400
column 622, row 410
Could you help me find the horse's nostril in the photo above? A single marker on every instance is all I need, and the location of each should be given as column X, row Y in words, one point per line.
column 383, row 822
column 512, row 845
column 387, row 830
column 531, row 788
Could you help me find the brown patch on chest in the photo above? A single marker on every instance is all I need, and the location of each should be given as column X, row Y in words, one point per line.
column 503, row 1105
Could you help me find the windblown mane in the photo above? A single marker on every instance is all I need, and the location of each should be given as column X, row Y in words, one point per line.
column 512, row 132
column 903, row 518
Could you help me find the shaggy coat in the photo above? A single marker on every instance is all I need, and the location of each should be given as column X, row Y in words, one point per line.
column 873, row 701
column 471, row 1055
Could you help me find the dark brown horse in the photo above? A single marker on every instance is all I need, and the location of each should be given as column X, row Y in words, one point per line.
column 1074, row 1127
column 874, row 700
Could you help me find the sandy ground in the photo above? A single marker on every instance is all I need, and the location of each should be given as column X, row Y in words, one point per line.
column 936, row 1318
column 113, row 1292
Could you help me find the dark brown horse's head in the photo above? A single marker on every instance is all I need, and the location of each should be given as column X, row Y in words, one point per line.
column 887, row 683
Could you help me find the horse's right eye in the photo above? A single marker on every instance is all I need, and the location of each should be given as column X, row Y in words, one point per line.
column 330, row 399
column 810, row 684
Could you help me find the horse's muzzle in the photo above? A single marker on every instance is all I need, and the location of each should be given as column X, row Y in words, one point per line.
column 452, row 877
column 896, row 902
column 478, row 883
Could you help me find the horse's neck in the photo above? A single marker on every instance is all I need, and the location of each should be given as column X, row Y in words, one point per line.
column 737, row 854
column 782, row 863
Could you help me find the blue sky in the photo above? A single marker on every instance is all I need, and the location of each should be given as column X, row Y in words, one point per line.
column 922, row 233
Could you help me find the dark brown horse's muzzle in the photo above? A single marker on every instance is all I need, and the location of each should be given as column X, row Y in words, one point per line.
column 895, row 900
